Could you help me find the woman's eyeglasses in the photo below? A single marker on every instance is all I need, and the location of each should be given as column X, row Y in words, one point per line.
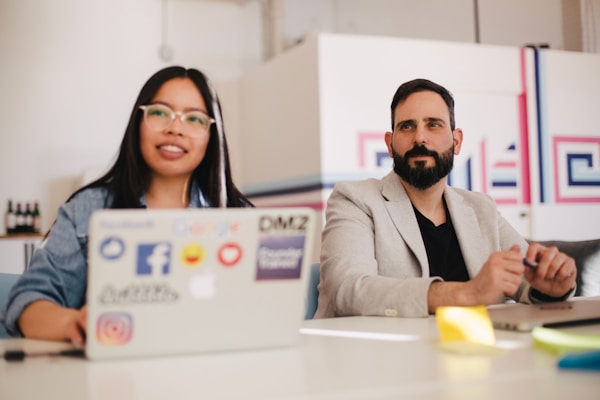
column 160, row 117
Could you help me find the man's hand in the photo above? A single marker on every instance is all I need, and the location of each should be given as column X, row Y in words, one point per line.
column 500, row 276
column 555, row 272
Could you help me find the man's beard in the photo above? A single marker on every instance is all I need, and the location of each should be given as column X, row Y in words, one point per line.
column 420, row 176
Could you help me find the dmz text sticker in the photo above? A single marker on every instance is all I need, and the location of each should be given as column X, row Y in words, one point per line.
column 114, row 328
column 280, row 257
column 154, row 259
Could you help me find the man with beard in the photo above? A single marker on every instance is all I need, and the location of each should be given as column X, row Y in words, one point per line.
column 409, row 243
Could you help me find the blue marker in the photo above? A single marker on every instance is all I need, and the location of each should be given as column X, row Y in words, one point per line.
column 588, row 360
column 528, row 264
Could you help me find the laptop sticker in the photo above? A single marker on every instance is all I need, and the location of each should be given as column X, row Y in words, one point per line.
column 203, row 285
column 229, row 254
column 154, row 259
column 114, row 328
column 195, row 228
column 112, row 248
column 192, row 255
column 139, row 293
column 280, row 257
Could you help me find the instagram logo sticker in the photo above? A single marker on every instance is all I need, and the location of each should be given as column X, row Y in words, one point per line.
column 114, row 329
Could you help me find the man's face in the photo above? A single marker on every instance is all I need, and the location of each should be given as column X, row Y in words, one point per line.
column 420, row 175
column 422, row 143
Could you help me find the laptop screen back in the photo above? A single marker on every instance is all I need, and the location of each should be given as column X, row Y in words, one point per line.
column 182, row 281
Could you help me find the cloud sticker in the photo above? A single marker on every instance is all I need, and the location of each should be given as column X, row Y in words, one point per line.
column 112, row 248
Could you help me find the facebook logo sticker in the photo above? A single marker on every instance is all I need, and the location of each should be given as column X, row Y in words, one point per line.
column 154, row 259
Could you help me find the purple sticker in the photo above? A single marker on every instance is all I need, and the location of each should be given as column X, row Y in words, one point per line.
column 280, row 257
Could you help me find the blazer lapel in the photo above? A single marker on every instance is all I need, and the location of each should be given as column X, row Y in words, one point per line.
column 403, row 217
column 467, row 231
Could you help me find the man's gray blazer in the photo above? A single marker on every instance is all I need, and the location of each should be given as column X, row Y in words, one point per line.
column 373, row 259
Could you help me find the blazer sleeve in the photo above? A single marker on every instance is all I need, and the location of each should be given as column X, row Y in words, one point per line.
column 366, row 267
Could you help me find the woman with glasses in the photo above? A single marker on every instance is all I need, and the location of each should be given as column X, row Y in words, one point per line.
column 173, row 155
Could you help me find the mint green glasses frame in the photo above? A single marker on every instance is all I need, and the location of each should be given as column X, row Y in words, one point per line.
column 192, row 128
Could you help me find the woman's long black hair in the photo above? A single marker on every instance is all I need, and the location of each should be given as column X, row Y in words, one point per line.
column 129, row 177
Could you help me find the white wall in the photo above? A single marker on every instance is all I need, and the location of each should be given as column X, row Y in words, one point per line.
column 288, row 107
column 518, row 22
column 590, row 25
column 501, row 22
column 70, row 71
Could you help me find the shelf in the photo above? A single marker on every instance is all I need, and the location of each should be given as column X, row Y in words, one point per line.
column 22, row 236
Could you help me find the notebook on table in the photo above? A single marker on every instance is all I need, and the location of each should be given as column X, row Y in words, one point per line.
column 165, row 282
column 525, row 317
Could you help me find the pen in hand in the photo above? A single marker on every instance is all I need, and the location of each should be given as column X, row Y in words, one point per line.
column 528, row 264
column 19, row 355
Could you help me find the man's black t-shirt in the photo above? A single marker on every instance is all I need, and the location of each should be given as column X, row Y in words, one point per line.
column 443, row 252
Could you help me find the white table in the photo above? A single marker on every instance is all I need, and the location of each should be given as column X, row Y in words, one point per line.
column 402, row 361
column 410, row 329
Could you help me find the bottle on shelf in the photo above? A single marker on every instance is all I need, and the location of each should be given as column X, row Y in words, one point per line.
column 37, row 218
column 28, row 226
column 9, row 219
column 19, row 219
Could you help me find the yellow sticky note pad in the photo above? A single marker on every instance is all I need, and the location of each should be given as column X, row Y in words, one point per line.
column 466, row 330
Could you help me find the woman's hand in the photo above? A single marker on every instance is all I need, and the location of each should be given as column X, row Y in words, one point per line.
column 46, row 320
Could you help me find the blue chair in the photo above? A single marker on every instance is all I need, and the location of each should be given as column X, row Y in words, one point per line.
column 6, row 283
column 312, row 296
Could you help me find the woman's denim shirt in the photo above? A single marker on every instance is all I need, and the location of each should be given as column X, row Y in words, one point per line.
column 58, row 268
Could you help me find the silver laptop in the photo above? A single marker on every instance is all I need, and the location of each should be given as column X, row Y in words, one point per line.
column 525, row 317
column 164, row 282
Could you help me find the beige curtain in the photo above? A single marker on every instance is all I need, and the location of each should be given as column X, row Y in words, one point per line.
column 590, row 25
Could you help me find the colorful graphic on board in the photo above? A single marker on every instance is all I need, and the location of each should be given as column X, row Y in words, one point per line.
column 372, row 151
column 576, row 169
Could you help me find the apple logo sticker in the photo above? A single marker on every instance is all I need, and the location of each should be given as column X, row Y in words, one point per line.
column 203, row 285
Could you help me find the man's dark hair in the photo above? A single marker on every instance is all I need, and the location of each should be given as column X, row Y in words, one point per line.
column 423, row 85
